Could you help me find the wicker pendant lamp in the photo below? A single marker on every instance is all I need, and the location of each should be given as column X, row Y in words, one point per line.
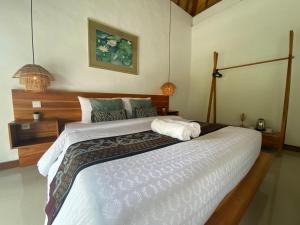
column 168, row 88
column 34, row 77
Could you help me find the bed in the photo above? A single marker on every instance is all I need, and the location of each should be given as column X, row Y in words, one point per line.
column 208, row 180
column 179, row 184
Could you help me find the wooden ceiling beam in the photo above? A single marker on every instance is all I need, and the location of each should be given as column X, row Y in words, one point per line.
column 206, row 4
column 187, row 4
column 194, row 7
column 202, row 6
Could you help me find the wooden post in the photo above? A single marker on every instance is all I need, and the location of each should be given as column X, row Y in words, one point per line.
column 287, row 91
column 215, row 86
column 210, row 100
column 212, row 95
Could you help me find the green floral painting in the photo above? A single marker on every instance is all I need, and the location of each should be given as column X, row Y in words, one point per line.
column 112, row 49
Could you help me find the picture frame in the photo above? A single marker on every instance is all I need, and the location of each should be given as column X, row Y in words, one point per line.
column 112, row 49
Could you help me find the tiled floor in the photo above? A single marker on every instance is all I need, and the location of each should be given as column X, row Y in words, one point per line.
column 278, row 200
column 23, row 195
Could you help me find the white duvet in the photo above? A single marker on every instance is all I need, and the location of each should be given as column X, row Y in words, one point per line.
column 179, row 184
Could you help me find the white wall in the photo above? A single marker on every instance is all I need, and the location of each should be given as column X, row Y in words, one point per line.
column 243, row 32
column 61, row 43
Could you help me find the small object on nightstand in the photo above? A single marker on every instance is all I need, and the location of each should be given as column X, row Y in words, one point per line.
column 260, row 125
column 32, row 138
column 243, row 117
column 173, row 112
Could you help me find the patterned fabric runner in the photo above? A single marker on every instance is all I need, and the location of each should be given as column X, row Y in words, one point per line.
column 207, row 128
column 87, row 153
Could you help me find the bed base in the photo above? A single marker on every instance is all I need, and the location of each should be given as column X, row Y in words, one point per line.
column 232, row 208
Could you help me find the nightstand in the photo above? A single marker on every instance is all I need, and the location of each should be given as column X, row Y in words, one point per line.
column 271, row 140
column 172, row 112
column 32, row 138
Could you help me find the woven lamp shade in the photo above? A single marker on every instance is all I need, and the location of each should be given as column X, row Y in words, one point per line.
column 168, row 88
column 34, row 77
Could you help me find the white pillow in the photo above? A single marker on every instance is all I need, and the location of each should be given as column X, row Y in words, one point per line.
column 86, row 109
column 127, row 105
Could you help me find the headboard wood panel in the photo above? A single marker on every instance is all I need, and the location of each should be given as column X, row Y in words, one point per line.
column 64, row 105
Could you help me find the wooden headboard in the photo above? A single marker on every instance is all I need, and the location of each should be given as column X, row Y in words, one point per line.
column 64, row 105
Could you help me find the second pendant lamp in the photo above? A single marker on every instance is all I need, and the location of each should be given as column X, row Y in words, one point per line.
column 168, row 88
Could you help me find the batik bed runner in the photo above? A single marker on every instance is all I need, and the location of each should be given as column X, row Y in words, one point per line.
column 87, row 153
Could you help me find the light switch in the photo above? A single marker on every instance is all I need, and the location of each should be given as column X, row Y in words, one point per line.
column 25, row 126
column 36, row 104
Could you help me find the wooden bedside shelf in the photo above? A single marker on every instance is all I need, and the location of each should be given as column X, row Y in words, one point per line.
column 271, row 140
column 36, row 141
column 173, row 112
column 32, row 138
column 168, row 112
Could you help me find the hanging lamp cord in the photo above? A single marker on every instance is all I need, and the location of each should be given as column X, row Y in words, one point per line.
column 31, row 23
column 170, row 27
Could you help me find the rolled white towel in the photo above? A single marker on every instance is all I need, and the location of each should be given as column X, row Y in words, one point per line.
column 174, row 130
column 195, row 127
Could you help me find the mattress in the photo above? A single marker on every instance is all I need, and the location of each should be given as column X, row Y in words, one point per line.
column 178, row 184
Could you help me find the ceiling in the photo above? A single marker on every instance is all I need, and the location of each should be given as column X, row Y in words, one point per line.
column 194, row 7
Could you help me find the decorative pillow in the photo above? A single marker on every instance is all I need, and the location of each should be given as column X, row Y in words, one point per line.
column 86, row 108
column 100, row 116
column 145, row 112
column 106, row 104
column 127, row 105
column 139, row 103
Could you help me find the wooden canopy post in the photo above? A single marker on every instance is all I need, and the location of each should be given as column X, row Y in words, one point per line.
column 279, row 138
column 287, row 91
column 213, row 91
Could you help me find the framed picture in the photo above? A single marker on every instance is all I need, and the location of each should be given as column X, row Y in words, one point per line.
column 112, row 49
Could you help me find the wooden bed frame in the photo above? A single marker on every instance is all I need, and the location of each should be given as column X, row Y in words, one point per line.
column 64, row 105
column 232, row 208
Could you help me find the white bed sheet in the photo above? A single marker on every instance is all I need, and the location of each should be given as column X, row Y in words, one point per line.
column 178, row 184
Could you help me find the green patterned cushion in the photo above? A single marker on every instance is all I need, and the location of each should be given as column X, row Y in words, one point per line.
column 139, row 103
column 106, row 104
column 100, row 116
column 145, row 112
